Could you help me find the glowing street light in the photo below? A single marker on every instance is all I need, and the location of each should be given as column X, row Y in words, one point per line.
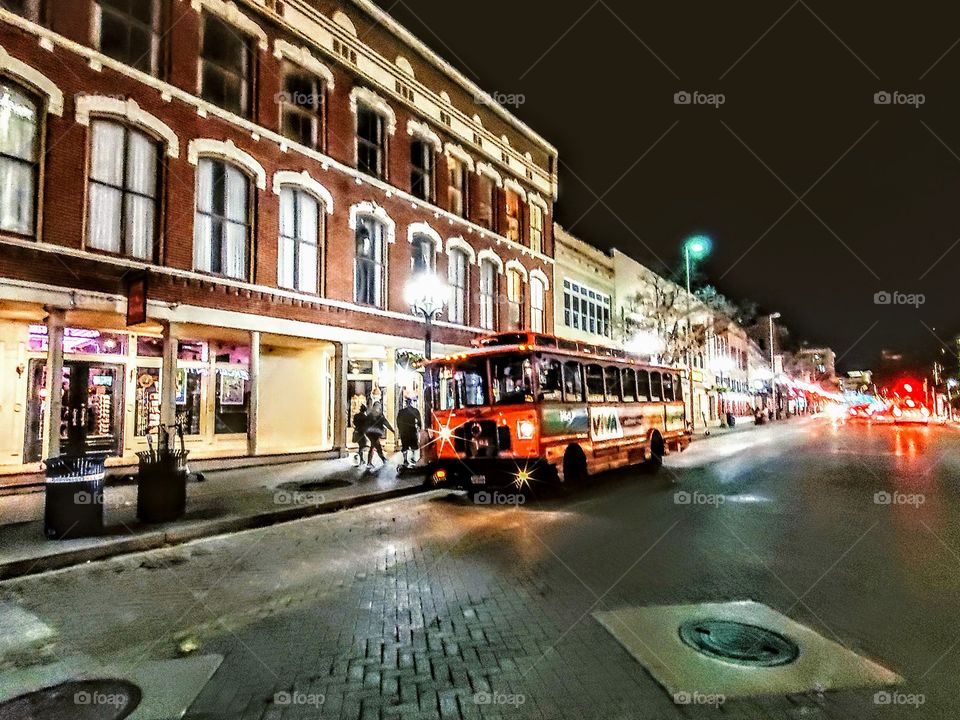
column 427, row 295
column 696, row 247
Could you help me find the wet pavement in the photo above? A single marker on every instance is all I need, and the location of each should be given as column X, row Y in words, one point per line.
column 433, row 607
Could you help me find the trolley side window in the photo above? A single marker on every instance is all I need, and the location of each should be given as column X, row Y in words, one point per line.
column 549, row 380
column 512, row 380
column 678, row 388
column 668, row 387
column 572, row 382
column 611, row 378
column 594, row 383
column 628, row 380
column 643, row 385
column 656, row 386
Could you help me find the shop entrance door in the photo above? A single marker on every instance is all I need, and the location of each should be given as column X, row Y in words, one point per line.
column 91, row 411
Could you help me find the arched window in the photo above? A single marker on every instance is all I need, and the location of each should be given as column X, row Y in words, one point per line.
column 458, row 276
column 515, row 297
column 537, row 304
column 488, row 294
column 422, row 253
column 301, row 231
column 221, row 243
column 124, row 190
column 371, row 142
column 19, row 158
column 368, row 270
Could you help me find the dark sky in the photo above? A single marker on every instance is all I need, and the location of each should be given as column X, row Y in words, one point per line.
column 799, row 82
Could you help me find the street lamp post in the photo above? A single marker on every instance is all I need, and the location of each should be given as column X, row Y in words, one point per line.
column 427, row 295
column 773, row 367
column 695, row 247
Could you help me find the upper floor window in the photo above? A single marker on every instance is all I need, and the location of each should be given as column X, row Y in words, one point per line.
column 34, row 10
column 124, row 190
column 368, row 275
column 537, row 306
column 514, row 300
column 221, row 242
column 536, row 227
column 488, row 295
column 371, row 142
column 586, row 309
column 128, row 31
column 458, row 265
column 301, row 229
column 226, row 62
column 456, row 186
column 19, row 159
column 422, row 254
column 422, row 165
column 303, row 107
column 512, row 231
column 486, row 193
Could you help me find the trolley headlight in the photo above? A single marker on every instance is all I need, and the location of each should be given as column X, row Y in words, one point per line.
column 526, row 430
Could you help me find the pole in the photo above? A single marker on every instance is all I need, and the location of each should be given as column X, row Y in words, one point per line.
column 773, row 371
column 693, row 415
column 428, row 355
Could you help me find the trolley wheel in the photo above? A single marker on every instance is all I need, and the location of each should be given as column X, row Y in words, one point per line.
column 574, row 468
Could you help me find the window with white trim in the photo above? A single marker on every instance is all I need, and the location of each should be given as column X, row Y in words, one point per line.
column 456, row 186
column 371, row 142
column 512, row 231
column 368, row 272
column 486, row 201
column 303, row 106
column 33, row 10
column 422, row 169
column 488, row 295
column 537, row 305
column 19, row 158
column 301, row 229
column 124, row 190
column 422, row 254
column 536, row 227
column 586, row 309
column 458, row 277
column 515, row 298
column 226, row 62
column 221, row 243
column 129, row 31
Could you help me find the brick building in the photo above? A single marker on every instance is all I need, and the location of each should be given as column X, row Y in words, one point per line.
column 277, row 171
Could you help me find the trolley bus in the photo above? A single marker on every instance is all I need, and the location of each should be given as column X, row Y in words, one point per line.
column 526, row 408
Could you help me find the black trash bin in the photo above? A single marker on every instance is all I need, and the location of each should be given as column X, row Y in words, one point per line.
column 73, row 506
column 162, row 485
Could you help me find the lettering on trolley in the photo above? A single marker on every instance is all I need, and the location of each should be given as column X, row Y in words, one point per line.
column 605, row 423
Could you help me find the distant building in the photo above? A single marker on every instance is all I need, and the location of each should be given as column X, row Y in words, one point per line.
column 816, row 365
column 584, row 290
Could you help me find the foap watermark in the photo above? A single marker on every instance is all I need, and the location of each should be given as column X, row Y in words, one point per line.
column 684, row 97
column 884, row 97
column 698, row 698
column 886, row 697
column 299, row 98
column 87, row 498
column 295, row 697
column 513, row 100
column 87, row 697
column 294, row 497
column 697, row 498
column 898, row 498
column 499, row 698
column 896, row 297
column 498, row 498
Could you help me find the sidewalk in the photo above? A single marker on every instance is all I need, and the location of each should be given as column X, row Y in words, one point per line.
column 227, row 501
column 744, row 425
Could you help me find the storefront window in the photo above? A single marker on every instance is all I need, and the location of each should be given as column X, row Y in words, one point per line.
column 192, row 350
column 79, row 341
column 147, row 407
column 230, row 354
column 233, row 401
column 151, row 347
column 188, row 399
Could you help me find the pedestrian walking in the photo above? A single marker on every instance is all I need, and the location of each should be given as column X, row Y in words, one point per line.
column 360, row 422
column 409, row 424
column 377, row 426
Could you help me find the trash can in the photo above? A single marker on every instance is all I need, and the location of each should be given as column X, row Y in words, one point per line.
column 73, row 503
column 162, row 485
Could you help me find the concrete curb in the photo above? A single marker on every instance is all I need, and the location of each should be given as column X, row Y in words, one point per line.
column 153, row 539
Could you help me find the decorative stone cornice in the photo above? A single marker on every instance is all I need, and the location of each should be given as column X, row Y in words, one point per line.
column 35, row 79
column 458, row 243
column 228, row 10
column 304, row 58
column 227, row 151
column 423, row 132
column 378, row 213
column 130, row 111
column 488, row 170
column 519, row 268
column 488, row 254
column 304, row 181
column 364, row 96
column 538, row 274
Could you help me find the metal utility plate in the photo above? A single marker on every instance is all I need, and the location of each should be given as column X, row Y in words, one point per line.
column 651, row 635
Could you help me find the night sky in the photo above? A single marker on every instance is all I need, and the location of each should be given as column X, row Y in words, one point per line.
column 878, row 184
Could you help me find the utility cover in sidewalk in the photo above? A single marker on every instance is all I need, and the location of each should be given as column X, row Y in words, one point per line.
column 77, row 700
column 749, row 649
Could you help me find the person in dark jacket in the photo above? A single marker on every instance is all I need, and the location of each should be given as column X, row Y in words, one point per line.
column 360, row 422
column 408, row 428
column 377, row 426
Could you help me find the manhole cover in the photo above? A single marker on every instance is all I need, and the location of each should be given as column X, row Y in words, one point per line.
column 314, row 485
column 75, row 700
column 739, row 643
